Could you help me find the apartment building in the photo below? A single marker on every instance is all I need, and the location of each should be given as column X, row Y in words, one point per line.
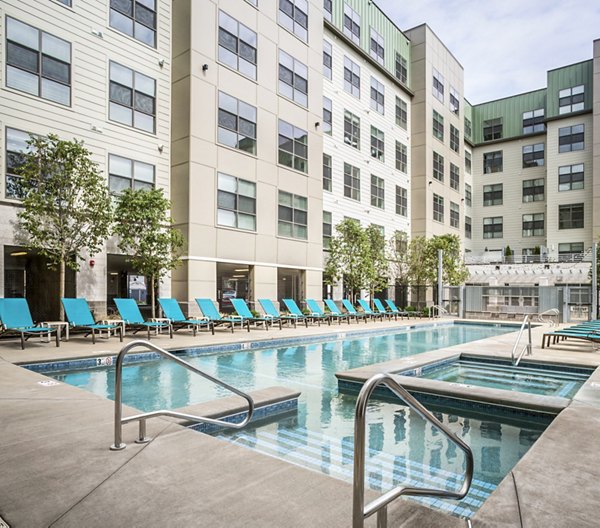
column 94, row 70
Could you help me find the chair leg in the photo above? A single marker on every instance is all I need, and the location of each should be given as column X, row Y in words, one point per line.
column 121, row 333
column 93, row 336
column 22, row 341
column 148, row 333
column 57, row 339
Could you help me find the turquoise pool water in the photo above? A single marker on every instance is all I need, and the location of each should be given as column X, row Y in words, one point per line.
column 402, row 448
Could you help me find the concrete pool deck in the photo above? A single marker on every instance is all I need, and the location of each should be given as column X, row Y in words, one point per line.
column 56, row 469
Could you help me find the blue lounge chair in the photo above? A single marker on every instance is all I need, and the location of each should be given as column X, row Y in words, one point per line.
column 172, row 311
column 352, row 311
column 586, row 334
column 79, row 315
column 381, row 309
column 334, row 309
column 314, row 307
column 130, row 313
column 16, row 319
column 241, row 308
column 392, row 306
column 208, row 310
column 367, row 309
column 271, row 310
column 294, row 309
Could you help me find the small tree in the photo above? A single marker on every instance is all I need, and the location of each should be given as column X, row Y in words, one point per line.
column 453, row 267
column 398, row 257
column 378, row 264
column 147, row 235
column 66, row 204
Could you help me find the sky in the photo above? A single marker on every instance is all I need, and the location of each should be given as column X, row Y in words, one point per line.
column 505, row 46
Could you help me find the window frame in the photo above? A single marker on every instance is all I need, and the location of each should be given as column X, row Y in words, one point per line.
column 438, row 208
column 531, row 155
column 295, row 211
column 493, row 162
column 401, row 201
column 237, row 130
column 377, row 96
column 454, row 215
column 377, row 192
column 493, row 194
column 535, row 195
column 351, row 24
column 351, row 77
column 134, row 20
column 438, row 126
column 575, row 219
column 377, row 144
column 299, row 146
column 221, row 56
column 401, row 157
column 570, row 143
column 578, row 170
column 351, row 182
column 454, row 177
column 532, row 225
column 493, row 232
column 327, row 172
column 293, row 22
column 294, row 69
column 492, row 129
column 237, row 211
column 351, row 129
column 534, row 121
column 570, row 101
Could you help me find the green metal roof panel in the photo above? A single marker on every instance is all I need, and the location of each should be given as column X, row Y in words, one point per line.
column 567, row 77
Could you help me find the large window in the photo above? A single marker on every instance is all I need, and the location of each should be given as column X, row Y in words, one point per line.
column 401, row 68
column 377, row 192
column 377, row 47
column 438, row 166
column 132, row 98
column 438, row 208
column 438, row 126
column 533, row 190
column 533, row 225
column 468, row 227
column 237, row 45
column 492, row 227
column 293, row 79
column 492, row 129
column 377, row 96
column 327, row 229
column 567, row 249
column 533, row 155
column 377, row 144
column 351, row 130
column 570, row 216
column 293, row 216
column 327, row 60
column 571, row 138
column 351, row 24
column 571, row 99
column 454, row 215
column 401, row 113
column 468, row 127
column 351, row 77
column 327, row 179
column 327, row 10
column 293, row 147
column 533, row 121
column 125, row 173
column 454, row 101
column 468, row 195
column 351, row 182
column 570, row 177
column 401, row 201
column 454, row 177
column 401, row 157
column 237, row 124
column 492, row 162
column 492, row 194
column 327, row 115
column 293, row 15
column 468, row 161
column 236, row 202
column 454, row 138
column 16, row 146
column 136, row 18
column 438, row 85
column 37, row 62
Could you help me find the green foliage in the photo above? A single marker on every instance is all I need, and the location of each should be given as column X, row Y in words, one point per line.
column 454, row 269
column 399, row 257
column 508, row 252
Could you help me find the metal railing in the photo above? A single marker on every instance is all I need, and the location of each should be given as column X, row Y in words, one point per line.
column 142, row 438
column 437, row 311
column 527, row 348
column 546, row 317
column 379, row 505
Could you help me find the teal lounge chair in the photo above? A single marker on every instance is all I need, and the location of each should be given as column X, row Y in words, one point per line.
column 334, row 309
column 367, row 309
column 130, row 313
column 271, row 310
column 172, row 311
column 208, row 310
column 352, row 311
column 79, row 315
column 16, row 319
column 392, row 306
column 240, row 306
column 314, row 307
column 294, row 309
column 381, row 309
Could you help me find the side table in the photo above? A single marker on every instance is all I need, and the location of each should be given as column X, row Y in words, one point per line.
column 59, row 325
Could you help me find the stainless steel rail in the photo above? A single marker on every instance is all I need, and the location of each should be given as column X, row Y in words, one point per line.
column 119, row 420
column 549, row 314
column 527, row 348
column 437, row 311
column 379, row 505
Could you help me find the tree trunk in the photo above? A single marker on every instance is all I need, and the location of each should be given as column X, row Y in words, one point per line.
column 152, row 300
column 61, row 290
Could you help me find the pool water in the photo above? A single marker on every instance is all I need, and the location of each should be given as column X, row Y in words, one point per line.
column 402, row 448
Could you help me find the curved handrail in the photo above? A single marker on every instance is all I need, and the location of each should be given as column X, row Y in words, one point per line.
column 441, row 311
column 119, row 420
column 379, row 505
column 550, row 312
column 528, row 347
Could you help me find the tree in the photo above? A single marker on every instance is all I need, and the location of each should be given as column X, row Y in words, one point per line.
column 398, row 257
column 147, row 235
column 66, row 204
column 454, row 270
column 378, row 265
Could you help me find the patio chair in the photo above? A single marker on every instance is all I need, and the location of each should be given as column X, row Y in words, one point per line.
column 269, row 307
column 241, row 308
column 16, row 319
column 392, row 306
column 130, row 313
column 314, row 307
column 367, row 309
column 381, row 309
column 334, row 309
column 172, row 311
column 79, row 316
column 209, row 310
column 294, row 309
column 351, row 310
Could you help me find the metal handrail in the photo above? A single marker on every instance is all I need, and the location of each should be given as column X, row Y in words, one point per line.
column 119, row 420
column 550, row 312
column 379, row 505
column 527, row 348
column 439, row 309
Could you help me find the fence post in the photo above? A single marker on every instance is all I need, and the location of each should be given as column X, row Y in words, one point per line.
column 440, row 276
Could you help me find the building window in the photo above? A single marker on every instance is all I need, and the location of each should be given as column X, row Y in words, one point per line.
column 132, row 98
column 454, row 101
column 237, row 45
column 566, row 250
column 135, row 18
column 37, row 62
column 570, row 177
column 327, row 10
column 351, row 182
column 124, row 173
column 237, row 124
column 401, row 113
column 16, row 147
column 454, row 138
column 293, row 79
column 468, row 227
column 327, row 60
column 570, row 216
column 327, row 115
column 293, row 147
column 351, row 130
column 401, row 68
column 438, row 126
column 65, row 2
column 401, row 201
column 492, row 227
column 571, row 99
column 327, row 176
column 377, row 96
column 401, row 157
column 492, row 194
column 351, row 77
column 533, row 121
column 454, row 215
column 571, row 138
column 454, row 177
column 327, row 229
column 492, row 129
column 438, row 85
column 293, row 15
column 467, row 162
column 236, row 202
column 468, row 195
column 533, row 225
column 351, row 24
column 533, row 190
column 468, row 128
column 438, row 166
column 377, row 192
column 533, row 155
column 377, row 47
column 492, row 162
column 377, row 144
column 438, row 208
column 293, row 216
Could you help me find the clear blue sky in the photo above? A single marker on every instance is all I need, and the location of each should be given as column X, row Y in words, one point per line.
column 505, row 46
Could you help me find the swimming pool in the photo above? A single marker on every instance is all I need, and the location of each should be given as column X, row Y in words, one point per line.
column 402, row 448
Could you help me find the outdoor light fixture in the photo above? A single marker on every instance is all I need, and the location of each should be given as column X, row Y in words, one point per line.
column 92, row 263
column 204, row 67
column 18, row 254
column 241, row 269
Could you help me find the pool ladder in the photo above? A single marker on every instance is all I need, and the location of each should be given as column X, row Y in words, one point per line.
column 515, row 359
column 360, row 512
column 141, row 418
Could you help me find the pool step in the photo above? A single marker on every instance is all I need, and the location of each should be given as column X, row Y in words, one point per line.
column 525, row 371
